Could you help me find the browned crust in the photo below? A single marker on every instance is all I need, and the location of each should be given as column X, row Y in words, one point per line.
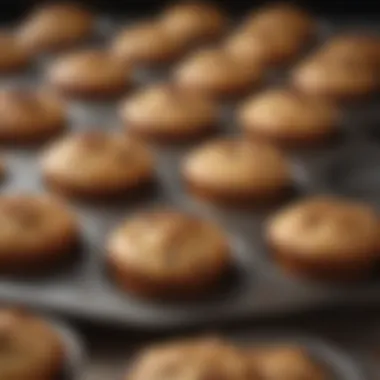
column 330, row 269
column 262, row 197
column 30, row 136
column 129, row 190
column 15, row 66
column 173, row 136
column 169, row 288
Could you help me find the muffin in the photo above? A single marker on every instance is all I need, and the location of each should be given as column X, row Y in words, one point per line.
column 30, row 116
column 276, row 34
column 97, row 165
column 166, row 254
column 237, row 172
column 89, row 74
column 285, row 363
column 195, row 22
column 330, row 76
column 36, row 232
column 30, row 348
column 47, row 28
column 216, row 73
column 13, row 57
column 164, row 113
column 201, row 359
column 146, row 44
column 287, row 118
column 325, row 238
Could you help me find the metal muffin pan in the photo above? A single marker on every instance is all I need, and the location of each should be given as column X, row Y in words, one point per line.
column 257, row 288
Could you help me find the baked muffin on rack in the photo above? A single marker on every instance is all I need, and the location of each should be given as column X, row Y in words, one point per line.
column 97, row 164
column 238, row 172
column 89, row 74
column 30, row 116
column 165, row 113
column 202, row 359
column 274, row 34
column 194, row 22
column 217, row 74
column 165, row 254
column 287, row 118
column 146, row 44
column 36, row 233
column 325, row 238
column 30, row 348
column 13, row 56
column 55, row 27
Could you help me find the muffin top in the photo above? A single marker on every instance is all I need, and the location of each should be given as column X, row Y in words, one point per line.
column 169, row 243
column 207, row 358
column 213, row 70
column 281, row 112
column 144, row 43
column 193, row 21
column 165, row 107
column 12, row 54
column 87, row 68
column 97, row 159
column 233, row 164
column 47, row 28
column 27, row 111
column 325, row 226
column 30, row 222
column 285, row 363
column 29, row 348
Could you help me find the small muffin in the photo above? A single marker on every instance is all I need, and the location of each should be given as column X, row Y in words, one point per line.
column 35, row 232
column 194, row 22
column 30, row 348
column 328, row 75
column 55, row 27
column 237, row 172
column 201, row 359
column 146, row 44
column 97, row 164
column 28, row 116
column 216, row 73
column 287, row 118
column 277, row 34
column 13, row 57
column 165, row 113
column 325, row 238
column 89, row 74
column 285, row 363
column 167, row 254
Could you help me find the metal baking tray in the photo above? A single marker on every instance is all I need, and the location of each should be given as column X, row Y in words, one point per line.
column 258, row 287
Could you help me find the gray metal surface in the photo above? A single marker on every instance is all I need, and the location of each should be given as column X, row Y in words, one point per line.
column 258, row 288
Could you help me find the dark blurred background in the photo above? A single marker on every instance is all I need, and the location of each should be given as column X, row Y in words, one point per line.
column 344, row 8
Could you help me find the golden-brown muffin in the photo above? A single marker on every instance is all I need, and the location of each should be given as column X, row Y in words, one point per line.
column 36, row 232
column 325, row 238
column 146, row 44
column 164, row 113
column 285, row 362
column 194, row 22
column 167, row 254
column 13, row 56
column 237, row 172
column 30, row 348
column 89, row 74
column 201, row 359
column 332, row 76
column 97, row 164
column 289, row 119
column 279, row 33
column 216, row 73
column 55, row 27
column 28, row 116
